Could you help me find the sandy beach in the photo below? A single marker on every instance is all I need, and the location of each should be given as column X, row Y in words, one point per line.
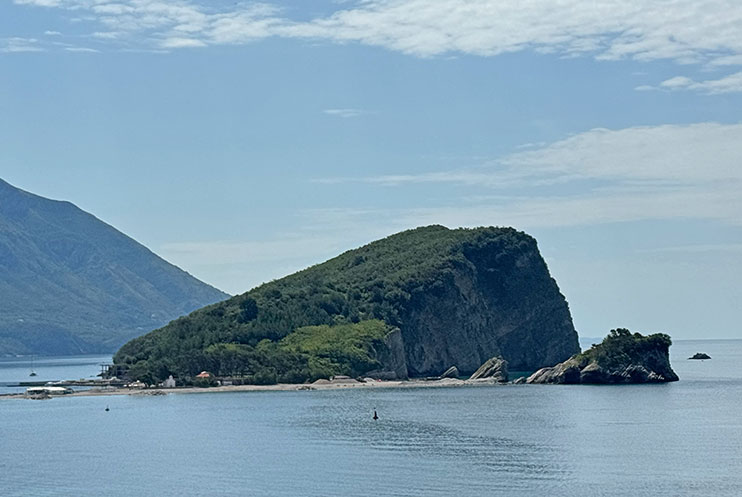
column 322, row 385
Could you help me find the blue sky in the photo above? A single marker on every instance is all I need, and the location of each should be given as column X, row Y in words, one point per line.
column 243, row 141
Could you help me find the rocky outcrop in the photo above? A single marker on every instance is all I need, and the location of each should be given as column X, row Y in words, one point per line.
column 452, row 372
column 495, row 369
column 621, row 358
column 700, row 356
column 393, row 359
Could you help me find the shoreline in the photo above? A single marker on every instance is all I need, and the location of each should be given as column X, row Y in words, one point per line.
column 280, row 387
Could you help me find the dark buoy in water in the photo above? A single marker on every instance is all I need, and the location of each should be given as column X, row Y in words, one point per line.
column 375, row 415
column 107, row 409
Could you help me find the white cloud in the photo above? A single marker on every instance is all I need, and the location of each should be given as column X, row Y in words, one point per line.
column 106, row 35
column 685, row 31
column 728, row 84
column 345, row 113
column 40, row 3
column 685, row 154
column 19, row 45
column 729, row 60
column 52, row 33
column 182, row 43
column 646, row 172
column 82, row 50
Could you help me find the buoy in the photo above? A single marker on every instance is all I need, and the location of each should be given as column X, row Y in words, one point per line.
column 375, row 415
column 107, row 409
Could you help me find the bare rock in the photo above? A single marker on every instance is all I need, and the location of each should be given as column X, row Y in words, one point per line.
column 700, row 356
column 495, row 368
column 452, row 372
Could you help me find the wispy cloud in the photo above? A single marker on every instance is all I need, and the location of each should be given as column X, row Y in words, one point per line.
column 687, row 31
column 728, row 84
column 344, row 113
column 178, row 42
column 19, row 45
column 645, row 172
column 698, row 249
column 81, row 50
column 238, row 265
column 106, row 35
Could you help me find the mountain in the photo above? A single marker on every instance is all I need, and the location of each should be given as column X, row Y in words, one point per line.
column 71, row 284
column 415, row 303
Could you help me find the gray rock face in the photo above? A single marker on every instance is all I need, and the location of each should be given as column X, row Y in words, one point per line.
column 571, row 373
column 452, row 372
column 393, row 359
column 495, row 369
column 496, row 301
column 567, row 372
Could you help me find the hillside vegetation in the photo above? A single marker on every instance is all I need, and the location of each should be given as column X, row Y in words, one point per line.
column 71, row 284
column 332, row 318
column 622, row 357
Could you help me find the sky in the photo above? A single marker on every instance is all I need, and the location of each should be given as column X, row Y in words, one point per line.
column 243, row 141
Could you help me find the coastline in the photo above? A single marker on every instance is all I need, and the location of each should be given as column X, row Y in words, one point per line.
column 280, row 387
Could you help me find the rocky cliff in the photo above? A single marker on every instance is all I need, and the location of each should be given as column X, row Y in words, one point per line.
column 622, row 357
column 458, row 297
column 495, row 300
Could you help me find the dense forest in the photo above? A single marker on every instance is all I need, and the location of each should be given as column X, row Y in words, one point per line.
column 329, row 319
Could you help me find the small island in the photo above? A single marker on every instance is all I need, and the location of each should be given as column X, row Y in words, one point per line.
column 700, row 356
column 622, row 357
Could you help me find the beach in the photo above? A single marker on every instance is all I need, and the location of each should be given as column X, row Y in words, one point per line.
column 286, row 387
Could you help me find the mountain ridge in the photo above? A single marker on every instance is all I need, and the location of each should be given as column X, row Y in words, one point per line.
column 71, row 283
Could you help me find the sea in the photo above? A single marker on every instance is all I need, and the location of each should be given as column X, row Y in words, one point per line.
column 677, row 439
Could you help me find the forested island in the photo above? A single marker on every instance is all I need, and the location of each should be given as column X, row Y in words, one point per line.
column 622, row 357
column 413, row 304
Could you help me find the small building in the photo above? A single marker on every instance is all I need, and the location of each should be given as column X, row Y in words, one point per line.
column 169, row 383
column 339, row 378
column 204, row 374
column 137, row 384
column 48, row 390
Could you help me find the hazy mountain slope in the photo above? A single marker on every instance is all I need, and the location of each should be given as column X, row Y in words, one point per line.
column 458, row 297
column 70, row 283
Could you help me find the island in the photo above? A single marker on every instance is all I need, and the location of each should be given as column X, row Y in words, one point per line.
column 700, row 356
column 622, row 357
column 413, row 305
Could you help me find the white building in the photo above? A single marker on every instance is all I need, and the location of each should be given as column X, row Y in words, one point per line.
column 49, row 390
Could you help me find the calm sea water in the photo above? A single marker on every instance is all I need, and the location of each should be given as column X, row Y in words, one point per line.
column 677, row 439
column 15, row 370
